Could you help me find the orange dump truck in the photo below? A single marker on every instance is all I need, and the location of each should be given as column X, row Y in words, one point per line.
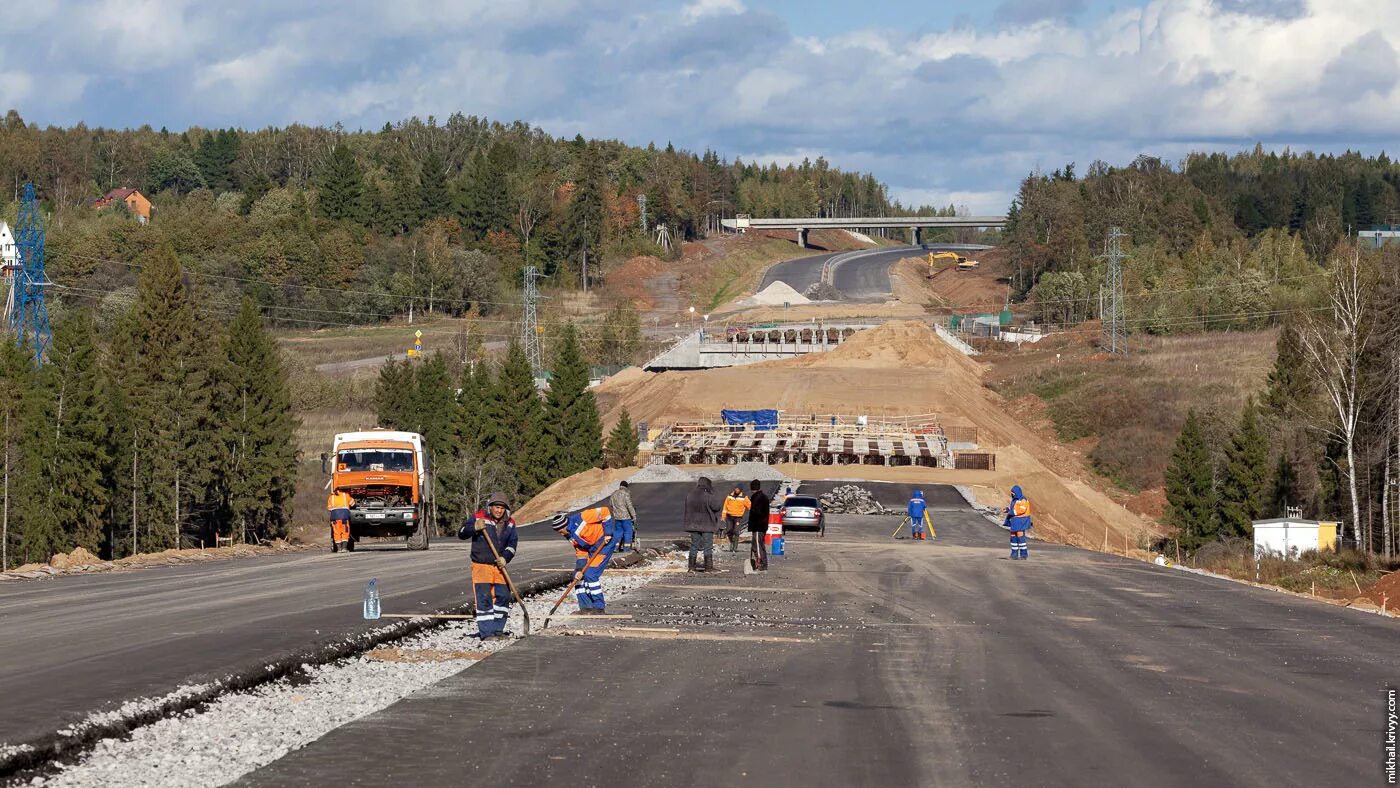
column 386, row 475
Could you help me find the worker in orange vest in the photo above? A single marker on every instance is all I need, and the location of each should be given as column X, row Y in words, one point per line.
column 338, row 504
column 736, row 505
column 1018, row 522
column 591, row 533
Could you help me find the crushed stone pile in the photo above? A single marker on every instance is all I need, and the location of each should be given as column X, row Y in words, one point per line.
column 776, row 294
column 821, row 291
column 852, row 499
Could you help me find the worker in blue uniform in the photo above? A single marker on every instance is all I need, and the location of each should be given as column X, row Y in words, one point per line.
column 1018, row 522
column 918, row 514
column 591, row 533
column 488, row 571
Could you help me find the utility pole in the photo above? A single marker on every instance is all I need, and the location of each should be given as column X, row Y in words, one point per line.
column 1115, row 331
column 585, row 254
column 530, row 326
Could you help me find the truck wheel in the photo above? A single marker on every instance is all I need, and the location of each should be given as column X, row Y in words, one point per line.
column 418, row 540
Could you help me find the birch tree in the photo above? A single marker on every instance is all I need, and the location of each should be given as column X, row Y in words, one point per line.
column 1334, row 341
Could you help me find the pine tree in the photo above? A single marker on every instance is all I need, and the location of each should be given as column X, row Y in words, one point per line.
column 1190, row 483
column 16, row 378
column 573, row 423
column 1246, row 487
column 341, row 193
column 395, row 396
column 1288, row 384
column 64, row 496
column 433, row 187
column 167, row 373
column 262, row 457
column 622, row 442
column 583, row 222
column 515, row 417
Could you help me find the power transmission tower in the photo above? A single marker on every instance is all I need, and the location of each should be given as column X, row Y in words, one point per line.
column 530, row 326
column 1115, row 330
column 642, row 209
column 29, row 315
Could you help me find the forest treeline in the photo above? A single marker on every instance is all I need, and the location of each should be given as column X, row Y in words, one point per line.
column 488, row 428
column 1217, row 242
column 1323, row 436
column 323, row 226
column 163, row 424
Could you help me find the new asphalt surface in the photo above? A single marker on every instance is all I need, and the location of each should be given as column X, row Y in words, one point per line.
column 863, row 660
column 78, row 644
column 864, row 278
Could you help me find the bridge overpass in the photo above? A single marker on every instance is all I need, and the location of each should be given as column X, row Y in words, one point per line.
column 916, row 224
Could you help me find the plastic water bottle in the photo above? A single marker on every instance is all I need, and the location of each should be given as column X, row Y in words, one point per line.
column 372, row 600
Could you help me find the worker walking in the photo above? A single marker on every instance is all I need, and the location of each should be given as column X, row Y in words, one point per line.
column 735, row 507
column 338, row 505
column 624, row 518
column 759, row 506
column 918, row 514
column 492, row 532
column 1018, row 522
column 701, row 523
column 591, row 533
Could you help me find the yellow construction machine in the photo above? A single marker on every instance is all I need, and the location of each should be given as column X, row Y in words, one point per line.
column 935, row 259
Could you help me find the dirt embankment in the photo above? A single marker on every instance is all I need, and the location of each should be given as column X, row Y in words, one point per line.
column 900, row 368
column 567, row 492
column 82, row 561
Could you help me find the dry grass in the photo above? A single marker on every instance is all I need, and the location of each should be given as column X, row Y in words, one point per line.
column 736, row 269
column 1339, row 575
column 1127, row 411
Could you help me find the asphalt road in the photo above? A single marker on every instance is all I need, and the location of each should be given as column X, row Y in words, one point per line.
column 861, row 279
column 77, row 644
column 862, row 660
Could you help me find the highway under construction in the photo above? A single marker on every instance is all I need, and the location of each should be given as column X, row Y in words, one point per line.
column 857, row 659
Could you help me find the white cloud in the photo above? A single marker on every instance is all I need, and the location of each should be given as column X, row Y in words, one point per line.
column 954, row 115
column 702, row 8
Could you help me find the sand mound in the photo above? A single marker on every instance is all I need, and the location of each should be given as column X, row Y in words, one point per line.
column 578, row 490
column 898, row 344
column 776, row 294
column 900, row 369
column 79, row 557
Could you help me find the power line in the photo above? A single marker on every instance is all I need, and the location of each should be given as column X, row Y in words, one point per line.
column 1115, row 332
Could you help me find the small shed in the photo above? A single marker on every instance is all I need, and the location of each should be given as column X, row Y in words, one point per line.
column 9, row 253
column 1291, row 536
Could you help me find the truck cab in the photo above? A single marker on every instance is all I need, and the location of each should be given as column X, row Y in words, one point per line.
column 385, row 472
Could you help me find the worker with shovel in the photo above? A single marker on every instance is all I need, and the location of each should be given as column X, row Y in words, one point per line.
column 494, row 540
column 590, row 532
column 338, row 505
column 1018, row 522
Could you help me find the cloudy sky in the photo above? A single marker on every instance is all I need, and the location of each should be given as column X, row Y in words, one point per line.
column 948, row 102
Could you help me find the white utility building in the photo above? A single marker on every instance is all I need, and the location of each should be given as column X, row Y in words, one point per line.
column 1292, row 536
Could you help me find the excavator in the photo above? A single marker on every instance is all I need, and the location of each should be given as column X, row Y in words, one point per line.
column 937, row 258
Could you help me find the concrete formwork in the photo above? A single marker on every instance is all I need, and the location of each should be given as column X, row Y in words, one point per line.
column 809, row 443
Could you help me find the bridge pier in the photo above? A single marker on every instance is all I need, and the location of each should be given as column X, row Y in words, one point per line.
column 802, row 237
column 918, row 233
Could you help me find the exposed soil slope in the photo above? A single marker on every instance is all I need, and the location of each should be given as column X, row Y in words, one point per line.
column 900, row 368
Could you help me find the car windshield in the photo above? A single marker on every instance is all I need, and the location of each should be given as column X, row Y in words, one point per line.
column 356, row 460
column 798, row 500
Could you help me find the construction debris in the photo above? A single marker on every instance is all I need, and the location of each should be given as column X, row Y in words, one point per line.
column 852, row 499
column 822, row 291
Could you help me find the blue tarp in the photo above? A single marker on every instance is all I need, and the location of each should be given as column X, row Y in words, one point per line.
column 760, row 419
